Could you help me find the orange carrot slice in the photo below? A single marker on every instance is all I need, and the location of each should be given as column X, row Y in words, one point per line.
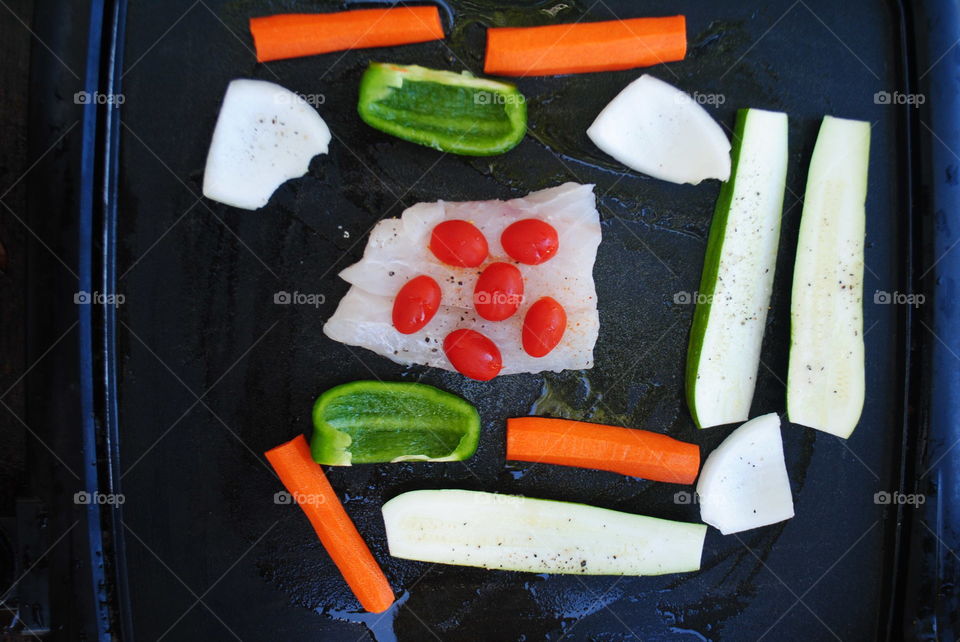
column 585, row 46
column 637, row 453
column 307, row 34
column 305, row 481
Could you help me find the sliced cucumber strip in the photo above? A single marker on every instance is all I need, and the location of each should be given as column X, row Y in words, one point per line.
column 734, row 296
column 825, row 379
column 487, row 530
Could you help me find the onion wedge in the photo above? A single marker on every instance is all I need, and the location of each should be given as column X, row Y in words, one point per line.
column 659, row 130
column 265, row 135
column 744, row 482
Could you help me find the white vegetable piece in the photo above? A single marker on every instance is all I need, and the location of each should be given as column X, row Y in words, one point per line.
column 488, row 530
column 265, row 135
column 744, row 482
column 825, row 379
column 659, row 130
column 737, row 280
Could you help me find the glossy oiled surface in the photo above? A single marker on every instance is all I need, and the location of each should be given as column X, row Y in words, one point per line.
column 200, row 300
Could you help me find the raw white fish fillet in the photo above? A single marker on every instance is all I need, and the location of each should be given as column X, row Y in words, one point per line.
column 397, row 251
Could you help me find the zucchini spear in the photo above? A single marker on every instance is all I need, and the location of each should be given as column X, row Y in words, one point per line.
column 825, row 380
column 472, row 528
column 728, row 324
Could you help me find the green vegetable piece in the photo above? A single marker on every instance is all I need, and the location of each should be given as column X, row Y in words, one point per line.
column 734, row 295
column 367, row 422
column 451, row 112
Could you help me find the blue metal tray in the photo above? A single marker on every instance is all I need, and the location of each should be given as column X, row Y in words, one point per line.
column 182, row 386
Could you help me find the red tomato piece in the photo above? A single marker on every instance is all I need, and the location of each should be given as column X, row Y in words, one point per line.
column 415, row 304
column 543, row 327
column 458, row 243
column 472, row 354
column 530, row 241
column 499, row 291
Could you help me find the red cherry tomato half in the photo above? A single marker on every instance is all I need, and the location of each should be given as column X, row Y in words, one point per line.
column 472, row 354
column 543, row 327
column 415, row 304
column 530, row 241
column 458, row 243
column 499, row 291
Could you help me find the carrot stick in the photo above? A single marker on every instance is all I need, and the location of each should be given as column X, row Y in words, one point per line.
column 637, row 453
column 304, row 479
column 306, row 34
column 585, row 46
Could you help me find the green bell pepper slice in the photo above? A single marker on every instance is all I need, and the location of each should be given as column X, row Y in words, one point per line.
column 366, row 422
column 451, row 112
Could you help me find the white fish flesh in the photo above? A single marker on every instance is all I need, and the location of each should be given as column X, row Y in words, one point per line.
column 398, row 250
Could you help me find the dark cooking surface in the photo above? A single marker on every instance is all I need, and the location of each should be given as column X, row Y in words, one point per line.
column 199, row 320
